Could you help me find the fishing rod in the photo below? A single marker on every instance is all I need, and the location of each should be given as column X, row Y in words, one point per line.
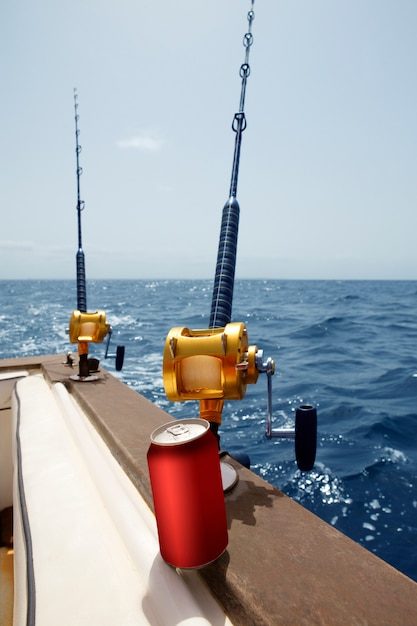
column 223, row 287
column 222, row 298
column 217, row 363
column 87, row 327
column 80, row 258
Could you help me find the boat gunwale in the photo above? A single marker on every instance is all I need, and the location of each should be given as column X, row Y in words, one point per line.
column 283, row 564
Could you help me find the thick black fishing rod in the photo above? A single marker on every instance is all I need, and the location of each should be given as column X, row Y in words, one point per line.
column 222, row 299
column 80, row 260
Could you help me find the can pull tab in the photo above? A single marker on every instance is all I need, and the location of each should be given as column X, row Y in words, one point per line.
column 178, row 430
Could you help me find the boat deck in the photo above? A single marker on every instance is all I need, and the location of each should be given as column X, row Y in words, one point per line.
column 92, row 547
column 283, row 565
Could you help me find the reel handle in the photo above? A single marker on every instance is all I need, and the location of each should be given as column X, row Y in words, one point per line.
column 120, row 352
column 305, row 431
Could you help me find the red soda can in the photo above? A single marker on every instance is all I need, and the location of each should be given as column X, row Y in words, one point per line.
column 184, row 469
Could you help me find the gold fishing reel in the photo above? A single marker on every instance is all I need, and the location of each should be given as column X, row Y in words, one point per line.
column 86, row 328
column 217, row 364
column 209, row 365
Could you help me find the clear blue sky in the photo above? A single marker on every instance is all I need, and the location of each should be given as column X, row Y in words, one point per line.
column 327, row 185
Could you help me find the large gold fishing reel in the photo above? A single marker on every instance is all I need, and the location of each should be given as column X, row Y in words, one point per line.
column 210, row 365
column 217, row 364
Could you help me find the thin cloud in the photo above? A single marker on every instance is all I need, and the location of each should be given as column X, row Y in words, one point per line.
column 36, row 248
column 145, row 142
column 16, row 245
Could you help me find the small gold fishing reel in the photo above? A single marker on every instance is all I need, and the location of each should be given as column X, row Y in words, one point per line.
column 86, row 328
column 210, row 365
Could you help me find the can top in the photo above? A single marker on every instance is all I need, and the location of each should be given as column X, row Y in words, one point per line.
column 180, row 431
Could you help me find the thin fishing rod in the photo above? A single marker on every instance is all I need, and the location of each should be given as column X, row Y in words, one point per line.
column 80, row 260
column 222, row 299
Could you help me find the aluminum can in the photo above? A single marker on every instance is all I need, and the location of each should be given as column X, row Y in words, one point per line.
column 184, row 469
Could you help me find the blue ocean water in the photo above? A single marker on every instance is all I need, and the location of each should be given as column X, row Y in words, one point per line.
column 347, row 347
